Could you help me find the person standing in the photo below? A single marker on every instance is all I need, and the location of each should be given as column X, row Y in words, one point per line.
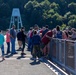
column 19, row 38
column 59, row 33
column 36, row 40
column 2, row 44
column 8, row 41
column 45, row 41
column 13, row 39
column 29, row 38
column 23, row 39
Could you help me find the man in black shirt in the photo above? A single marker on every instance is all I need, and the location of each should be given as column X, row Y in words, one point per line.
column 21, row 37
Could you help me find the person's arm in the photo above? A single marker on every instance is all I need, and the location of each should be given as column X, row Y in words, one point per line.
column 40, row 39
column 3, row 39
column 11, row 33
column 70, row 36
column 48, row 37
column 63, row 34
column 25, row 35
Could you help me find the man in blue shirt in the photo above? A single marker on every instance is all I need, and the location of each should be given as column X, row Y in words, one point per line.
column 13, row 39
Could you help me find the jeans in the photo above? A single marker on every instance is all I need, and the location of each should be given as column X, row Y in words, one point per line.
column 29, row 43
column 8, row 47
column 2, row 49
column 13, row 45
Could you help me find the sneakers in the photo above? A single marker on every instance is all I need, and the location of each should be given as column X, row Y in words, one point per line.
column 14, row 53
column 20, row 48
column 23, row 53
column 33, row 58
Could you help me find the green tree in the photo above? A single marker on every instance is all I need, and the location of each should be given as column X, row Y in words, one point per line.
column 72, row 7
column 72, row 20
column 72, row 23
column 63, row 26
column 4, row 10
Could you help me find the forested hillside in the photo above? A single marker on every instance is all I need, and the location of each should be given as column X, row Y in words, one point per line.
column 41, row 12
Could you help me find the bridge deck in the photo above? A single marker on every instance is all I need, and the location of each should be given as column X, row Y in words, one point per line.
column 16, row 65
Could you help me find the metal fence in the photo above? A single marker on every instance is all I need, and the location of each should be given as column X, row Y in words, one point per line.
column 63, row 52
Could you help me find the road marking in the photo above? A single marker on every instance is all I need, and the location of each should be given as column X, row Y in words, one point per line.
column 24, row 55
column 16, row 59
column 17, row 56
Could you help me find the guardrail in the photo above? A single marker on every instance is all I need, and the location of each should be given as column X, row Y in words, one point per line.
column 63, row 52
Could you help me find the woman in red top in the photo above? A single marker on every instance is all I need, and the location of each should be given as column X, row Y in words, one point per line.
column 8, row 41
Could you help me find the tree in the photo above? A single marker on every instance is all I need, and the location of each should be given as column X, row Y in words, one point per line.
column 72, row 20
column 72, row 7
column 55, row 6
column 4, row 10
column 72, row 23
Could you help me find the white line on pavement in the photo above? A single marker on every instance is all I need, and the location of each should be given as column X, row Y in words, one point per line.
column 15, row 59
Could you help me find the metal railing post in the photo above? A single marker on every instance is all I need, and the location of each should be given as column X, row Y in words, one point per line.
column 57, row 49
column 60, row 50
column 75, row 54
column 64, row 51
column 49, row 52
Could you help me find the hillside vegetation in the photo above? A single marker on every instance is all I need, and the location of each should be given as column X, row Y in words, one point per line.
column 41, row 12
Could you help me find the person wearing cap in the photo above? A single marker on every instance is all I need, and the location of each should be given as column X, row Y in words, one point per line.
column 13, row 39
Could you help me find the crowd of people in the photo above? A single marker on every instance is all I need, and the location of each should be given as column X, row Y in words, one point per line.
column 37, row 39
column 45, row 35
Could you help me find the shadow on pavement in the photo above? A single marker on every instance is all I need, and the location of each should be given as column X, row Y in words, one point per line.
column 1, row 61
column 7, row 56
column 20, row 57
column 18, row 50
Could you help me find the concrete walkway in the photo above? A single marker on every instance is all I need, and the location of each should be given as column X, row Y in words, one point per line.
column 17, row 65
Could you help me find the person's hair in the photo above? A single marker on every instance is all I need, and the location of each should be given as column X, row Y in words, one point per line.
column 13, row 25
column 35, row 25
column 35, row 32
column 58, row 28
column 0, row 30
column 7, row 29
column 22, row 27
column 47, row 26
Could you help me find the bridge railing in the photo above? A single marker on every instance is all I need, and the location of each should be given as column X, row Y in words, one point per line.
column 63, row 52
